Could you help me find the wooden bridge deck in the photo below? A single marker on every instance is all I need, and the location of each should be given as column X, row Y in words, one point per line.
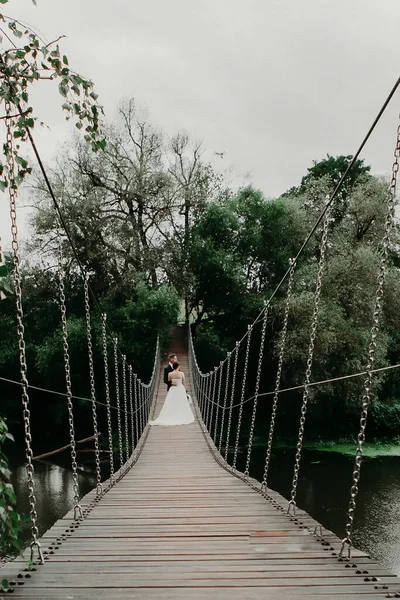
column 180, row 526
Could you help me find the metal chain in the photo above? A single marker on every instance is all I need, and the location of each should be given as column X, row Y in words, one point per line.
column 203, row 398
column 212, row 400
column 203, row 395
column 140, row 407
column 221, row 369
column 121, row 454
column 208, row 397
column 131, row 407
column 146, row 405
column 108, row 400
column 99, row 487
column 372, row 346
column 21, row 338
column 136, row 409
column 282, row 346
column 228, row 431
column 246, row 364
column 257, row 389
column 125, row 405
column 77, row 506
column 228, row 368
column 313, row 331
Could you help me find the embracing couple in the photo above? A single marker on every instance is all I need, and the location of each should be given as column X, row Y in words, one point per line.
column 176, row 409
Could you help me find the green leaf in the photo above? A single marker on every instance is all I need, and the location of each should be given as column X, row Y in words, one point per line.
column 3, row 270
column 24, row 96
column 10, row 435
column 20, row 54
column 63, row 89
column 21, row 161
column 78, row 125
column 4, row 582
column 3, row 1
column 65, row 60
column 3, row 185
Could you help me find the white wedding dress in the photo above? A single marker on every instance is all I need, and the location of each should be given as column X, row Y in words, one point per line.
column 176, row 409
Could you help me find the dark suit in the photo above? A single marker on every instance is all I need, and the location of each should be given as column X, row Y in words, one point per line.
column 168, row 369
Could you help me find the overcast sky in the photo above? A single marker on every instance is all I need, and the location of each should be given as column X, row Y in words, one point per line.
column 272, row 83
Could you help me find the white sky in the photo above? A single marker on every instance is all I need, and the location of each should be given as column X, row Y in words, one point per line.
column 273, row 83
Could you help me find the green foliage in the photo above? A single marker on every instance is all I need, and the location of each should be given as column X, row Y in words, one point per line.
column 240, row 251
column 27, row 61
column 9, row 517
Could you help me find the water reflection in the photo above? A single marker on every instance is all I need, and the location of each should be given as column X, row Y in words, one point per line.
column 54, row 490
column 323, row 491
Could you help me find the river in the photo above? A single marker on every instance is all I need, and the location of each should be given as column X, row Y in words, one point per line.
column 323, row 492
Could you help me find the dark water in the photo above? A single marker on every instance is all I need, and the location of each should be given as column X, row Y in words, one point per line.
column 54, row 490
column 323, row 492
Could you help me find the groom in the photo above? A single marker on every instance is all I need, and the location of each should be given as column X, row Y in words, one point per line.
column 172, row 358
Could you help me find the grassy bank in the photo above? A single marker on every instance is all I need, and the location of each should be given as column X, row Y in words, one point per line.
column 372, row 449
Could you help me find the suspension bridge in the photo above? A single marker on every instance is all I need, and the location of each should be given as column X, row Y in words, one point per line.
column 178, row 521
column 176, row 518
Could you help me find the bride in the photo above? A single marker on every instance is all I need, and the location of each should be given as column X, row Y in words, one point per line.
column 176, row 409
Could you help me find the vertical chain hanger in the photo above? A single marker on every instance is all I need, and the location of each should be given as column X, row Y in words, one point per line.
column 221, row 371
column 282, row 346
column 313, row 332
column 131, row 406
column 116, row 370
column 9, row 150
column 136, row 402
column 77, row 506
column 125, row 405
column 246, row 364
column 391, row 203
column 212, row 400
column 99, row 487
column 256, row 391
column 108, row 399
column 228, row 368
column 228, row 431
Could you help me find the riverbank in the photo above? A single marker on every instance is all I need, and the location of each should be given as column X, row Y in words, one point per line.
column 374, row 449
